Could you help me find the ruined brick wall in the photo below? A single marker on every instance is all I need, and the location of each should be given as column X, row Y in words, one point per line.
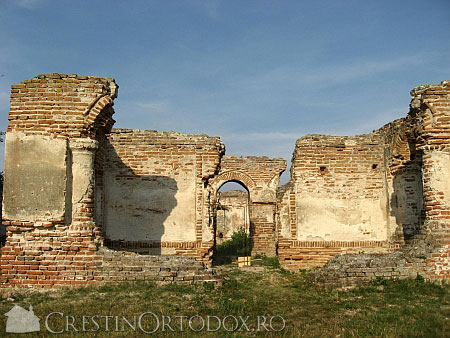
column 154, row 191
column 337, row 201
column 340, row 188
column 430, row 111
column 54, row 164
column 73, row 188
column 48, row 198
column 419, row 151
column 404, row 180
column 351, row 195
column 260, row 175
column 232, row 214
column 60, row 105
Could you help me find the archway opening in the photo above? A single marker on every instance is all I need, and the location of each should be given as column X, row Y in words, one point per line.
column 232, row 222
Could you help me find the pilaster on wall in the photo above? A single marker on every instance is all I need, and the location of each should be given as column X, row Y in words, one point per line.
column 292, row 214
column 83, row 153
column 199, row 203
column 262, row 229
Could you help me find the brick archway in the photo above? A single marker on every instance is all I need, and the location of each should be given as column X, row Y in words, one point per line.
column 232, row 176
column 259, row 176
column 229, row 176
column 98, row 116
column 400, row 146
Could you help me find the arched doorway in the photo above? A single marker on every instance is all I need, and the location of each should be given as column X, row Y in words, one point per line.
column 230, row 203
column 262, row 203
column 232, row 211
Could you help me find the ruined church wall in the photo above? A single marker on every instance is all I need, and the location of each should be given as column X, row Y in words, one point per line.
column 337, row 201
column 420, row 140
column 54, row 192
column 430, row 108
column 154, row 190
column 45, row 113
column 340, row 188
column 351, row 194
column 49, row 149
column 74, row 190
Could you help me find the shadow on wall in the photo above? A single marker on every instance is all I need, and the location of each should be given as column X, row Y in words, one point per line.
column 135, row 207
column 406, row 202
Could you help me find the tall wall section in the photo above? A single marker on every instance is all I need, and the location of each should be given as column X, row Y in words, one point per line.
column 430, row 113
column 48, row 194
column 155, row 200
column 54, row 195
column 337, row 202
column 410, row 180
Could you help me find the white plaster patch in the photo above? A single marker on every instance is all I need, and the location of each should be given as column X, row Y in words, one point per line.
column 35, row 177
column 439, row 174
column 340, row 220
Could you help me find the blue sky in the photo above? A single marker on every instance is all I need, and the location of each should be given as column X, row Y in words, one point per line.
column 260, row 74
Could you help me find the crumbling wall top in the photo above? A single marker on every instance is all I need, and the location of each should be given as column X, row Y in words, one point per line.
column 62, row 105
column 430, row 88
column 319, row 140
column 110, row 83
column 153, row 137
column 253, row 162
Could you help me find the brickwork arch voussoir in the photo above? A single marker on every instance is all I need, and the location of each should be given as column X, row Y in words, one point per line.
column 233, row 176
column 95, row 109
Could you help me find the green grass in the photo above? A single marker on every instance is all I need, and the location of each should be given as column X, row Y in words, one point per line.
column 270, row 262
column 408, row 308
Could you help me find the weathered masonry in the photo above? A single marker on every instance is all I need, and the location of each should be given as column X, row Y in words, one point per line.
column 84, row 203
column 154, row 195
column 386, row 192
column 79, row 198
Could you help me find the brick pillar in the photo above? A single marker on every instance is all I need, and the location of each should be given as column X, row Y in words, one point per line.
column 436, row 184
column 262, row 228
column 83, row 177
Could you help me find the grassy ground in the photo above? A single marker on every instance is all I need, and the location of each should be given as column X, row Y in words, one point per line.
column 411, row 308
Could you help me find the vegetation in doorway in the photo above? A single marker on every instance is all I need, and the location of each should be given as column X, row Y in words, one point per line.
column 238, row 246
